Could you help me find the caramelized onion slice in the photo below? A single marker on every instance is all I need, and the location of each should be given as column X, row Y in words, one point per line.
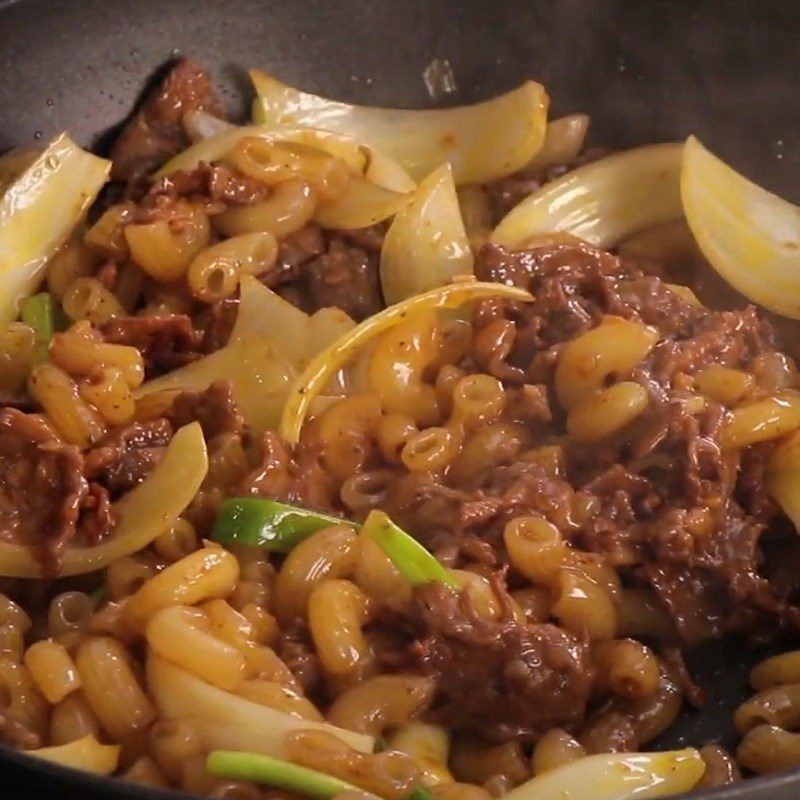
column 617, row 776
column 226, row 721
column 142, row 514
column 261, row 380
column 482, row 142
column 39, row 208
column 602, row 202
column 426, row 245
column 750, row 236
column 319, row 372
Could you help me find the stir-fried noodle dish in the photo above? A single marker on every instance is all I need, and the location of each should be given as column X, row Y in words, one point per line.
column 365, row 453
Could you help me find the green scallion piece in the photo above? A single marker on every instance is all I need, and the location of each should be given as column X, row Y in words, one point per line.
column 276, row 773
column 38, row 312
column 412, row 560
column 259, row 522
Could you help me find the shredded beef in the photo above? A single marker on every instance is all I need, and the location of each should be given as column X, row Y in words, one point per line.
column 209, row 183
column 503, row 679
column 154, row 133
column 128, row 457
column 45, row 497
column 214, row 408
column 166, row 341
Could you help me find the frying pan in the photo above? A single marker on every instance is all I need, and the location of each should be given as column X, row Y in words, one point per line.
column 646, row 71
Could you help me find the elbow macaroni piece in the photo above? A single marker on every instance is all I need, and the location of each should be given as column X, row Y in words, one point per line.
column 385, row 701
column 761, row 421
column 52, row 670
column 337, row 610
column 110, row 394
column 555, row 749
column 615, row 346
column 87, row 298
column 723, row 384
column 610, row 410
column 626, row 668
column 111, row 688
column 329, row 553
column 208, row 573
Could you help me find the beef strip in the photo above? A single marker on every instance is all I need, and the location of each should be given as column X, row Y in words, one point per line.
column 166, row 341
column 45, row 497
column 214, row 408
column 129, row 455
column 502, row 679
column 155, row 133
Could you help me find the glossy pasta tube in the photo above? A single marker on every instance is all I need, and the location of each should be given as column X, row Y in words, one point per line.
column 109, row 393
column 319, row 371
column 776, row 705
column 111, row 688
column 87, row 298
column 555, row 749
column 607, row 412
column 85, row 754
column 290, row 206
column 618, row 776
column 761, row 421
column 602, row 202
column 482, row 142
column 768, row 748
column 337, row 610
column 225, row 721
column 183, row 636
column 208, row 573
column 52, row 670
column 614, row 346
column 39, row 210
column 163, row 253
column 426, row 244
column 428, row 745
column 783, row 668
column 58, row 394
column 385, row 701
column 141, row 515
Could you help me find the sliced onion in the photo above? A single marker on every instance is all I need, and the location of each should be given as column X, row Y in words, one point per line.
column 563, row 141
column 617, row 776
column 362, row 204
column 142, row 514
column 316, row 376
column 199, row 125
column 38, row 211
column 86, row 754
column 294, row 336
column 261, row 380
column 14, row 163
column 750, row 236
column 602, row 202
column 225, row 721
column 426, row 245
column 482, row 142
column 216, row 147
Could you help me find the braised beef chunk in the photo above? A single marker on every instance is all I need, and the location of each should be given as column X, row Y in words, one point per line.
column 208, row 183
column 214, row 408
column 129, row 455
column 45, row 498
column 166, row 341
column 347, row 277
column 154, row 133
column 501, row 679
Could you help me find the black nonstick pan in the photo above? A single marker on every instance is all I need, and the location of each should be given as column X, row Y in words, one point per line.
column 645, row 71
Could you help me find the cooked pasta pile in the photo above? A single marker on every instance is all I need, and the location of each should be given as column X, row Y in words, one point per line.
column 359, row 453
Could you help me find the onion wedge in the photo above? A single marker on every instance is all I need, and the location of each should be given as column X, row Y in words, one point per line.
column 362, row 204
column 86, row 754
column 218, row 146
column 315, row 377
column 225, row 721
column 294, row 336
column 603, row 202
column 750, row 236
column 142, row 514
column 482, row 142
column 261, row 380
column 426, row 245
column 617, row 776
column 38, row 211
column 563, row 141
